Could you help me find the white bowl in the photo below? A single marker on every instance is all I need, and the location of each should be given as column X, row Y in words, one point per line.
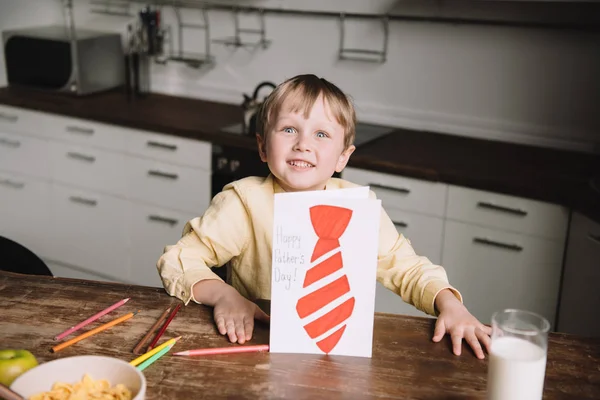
column 71, row 370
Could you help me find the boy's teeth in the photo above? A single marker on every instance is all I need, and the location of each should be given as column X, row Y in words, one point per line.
column 300, row 164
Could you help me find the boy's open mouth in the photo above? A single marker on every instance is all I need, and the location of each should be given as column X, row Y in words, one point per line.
column 300, row 164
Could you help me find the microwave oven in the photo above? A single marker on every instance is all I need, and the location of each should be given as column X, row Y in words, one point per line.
column 45, row 58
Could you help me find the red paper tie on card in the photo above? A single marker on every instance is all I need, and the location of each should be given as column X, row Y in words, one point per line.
column 329, row 223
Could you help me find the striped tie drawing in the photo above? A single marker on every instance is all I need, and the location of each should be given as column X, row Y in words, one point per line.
column 329, row 223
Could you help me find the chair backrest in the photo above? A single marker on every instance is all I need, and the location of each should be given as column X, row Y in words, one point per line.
column 15, row 257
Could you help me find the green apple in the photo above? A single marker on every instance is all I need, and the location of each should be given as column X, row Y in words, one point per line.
column 13, row 363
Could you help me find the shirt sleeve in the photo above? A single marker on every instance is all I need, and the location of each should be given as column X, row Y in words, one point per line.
column 207, row 241
column 416, row 279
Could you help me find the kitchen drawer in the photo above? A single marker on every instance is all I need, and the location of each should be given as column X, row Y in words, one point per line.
column 90, row 168
column 510, row 213
column 24, row 211
column 24, row 155
column 152, row 228
column 425, row 235
column 496, row 269
column 14, row 119
column 170, row 149
column 402, row 193
column 90, row 231
column 169, row 186
column 85, row 132
column 60, row 270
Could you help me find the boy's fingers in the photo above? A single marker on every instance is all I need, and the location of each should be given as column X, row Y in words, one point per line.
column 486, row 329
column 474, row 343
column 231, row 330
column 485, row 339
column 221, row 325
column 456, row 343
column 248, row 327
column 239, row 330
column 440, row 330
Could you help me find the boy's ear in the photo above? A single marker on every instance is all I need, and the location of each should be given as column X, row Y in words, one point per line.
column 262, row 147
column 344, row 157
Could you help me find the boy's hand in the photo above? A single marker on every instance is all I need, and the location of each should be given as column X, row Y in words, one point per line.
column 459, row 323
column 234, row 316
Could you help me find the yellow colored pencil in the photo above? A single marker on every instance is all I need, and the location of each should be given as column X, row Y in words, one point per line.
column 93, row 331
column 152, row 352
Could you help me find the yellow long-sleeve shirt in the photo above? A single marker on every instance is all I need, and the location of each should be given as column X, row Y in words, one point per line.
column 238, row 228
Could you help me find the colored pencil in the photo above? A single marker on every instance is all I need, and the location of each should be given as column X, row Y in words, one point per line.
column 138, row 348
column 164, row 327
column 93, row 331
column 224, row 350
column 91, row 319
column 143, row 357
column 155, row 357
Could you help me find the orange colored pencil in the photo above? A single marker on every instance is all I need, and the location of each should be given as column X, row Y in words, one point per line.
column 93, row 331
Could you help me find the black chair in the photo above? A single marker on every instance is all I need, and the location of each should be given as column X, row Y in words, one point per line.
column 14, row 257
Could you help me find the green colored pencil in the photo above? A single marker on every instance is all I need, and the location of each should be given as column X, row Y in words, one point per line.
column 155, row 357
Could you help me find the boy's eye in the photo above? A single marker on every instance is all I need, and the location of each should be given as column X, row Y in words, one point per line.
column 321, row 134
column 289, row 130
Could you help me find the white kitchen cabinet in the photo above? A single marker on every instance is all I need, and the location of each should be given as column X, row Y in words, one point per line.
column 152, row 228
column 90, row 168
column 167, row 185
column 90, row 231
column 580, row 297
column 425, row 234
column 24, row 211
column 496, row 269
column 61, row 270
column 400, row 192
column 24, row 155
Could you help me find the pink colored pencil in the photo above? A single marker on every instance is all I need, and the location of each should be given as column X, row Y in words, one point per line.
column 91, row 319
column 223, row 350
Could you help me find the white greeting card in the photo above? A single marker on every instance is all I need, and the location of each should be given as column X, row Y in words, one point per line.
column 323, row 272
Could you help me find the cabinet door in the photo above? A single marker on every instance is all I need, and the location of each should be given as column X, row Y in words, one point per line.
column 425, row 235
column 68, row 271
column 90, row 168
column 24, row 211
column 495, row 269
column 580, row 299
column 152, row 229
column 24, row 155
column 90, row 231
column 170, row 186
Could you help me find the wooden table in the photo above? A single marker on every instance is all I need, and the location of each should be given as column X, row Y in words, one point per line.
column 406, row 364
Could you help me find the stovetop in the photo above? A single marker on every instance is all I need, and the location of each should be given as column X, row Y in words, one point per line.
column 364, row 132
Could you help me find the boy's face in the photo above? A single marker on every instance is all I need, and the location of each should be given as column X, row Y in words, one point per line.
column 303, row 153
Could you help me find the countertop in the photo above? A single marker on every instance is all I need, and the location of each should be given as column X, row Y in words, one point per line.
column 563, row 177
column 405, row 362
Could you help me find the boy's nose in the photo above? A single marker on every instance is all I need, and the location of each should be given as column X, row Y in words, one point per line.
column 302, row 144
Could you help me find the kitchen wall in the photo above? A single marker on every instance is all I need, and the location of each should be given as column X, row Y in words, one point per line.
column 533, row 86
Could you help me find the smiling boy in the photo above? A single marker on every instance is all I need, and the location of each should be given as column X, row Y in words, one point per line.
column 305, row 134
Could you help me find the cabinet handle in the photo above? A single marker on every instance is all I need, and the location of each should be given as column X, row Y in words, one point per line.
column 12, row 184
column 82, row 157
column 163, row 174
column 79, row 129
column 9, row 117
column 507, row 246
column 391, row 188
column 10, row 143
column 495, row 207
column 82, row 200
column 158, row 218
column 159, row 145
column 400, row 224
column 594, row 238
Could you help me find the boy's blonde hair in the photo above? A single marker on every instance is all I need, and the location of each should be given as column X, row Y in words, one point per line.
column 303, row 91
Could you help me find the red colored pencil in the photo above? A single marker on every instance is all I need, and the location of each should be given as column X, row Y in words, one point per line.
column 223, row 350
column 164, row 327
